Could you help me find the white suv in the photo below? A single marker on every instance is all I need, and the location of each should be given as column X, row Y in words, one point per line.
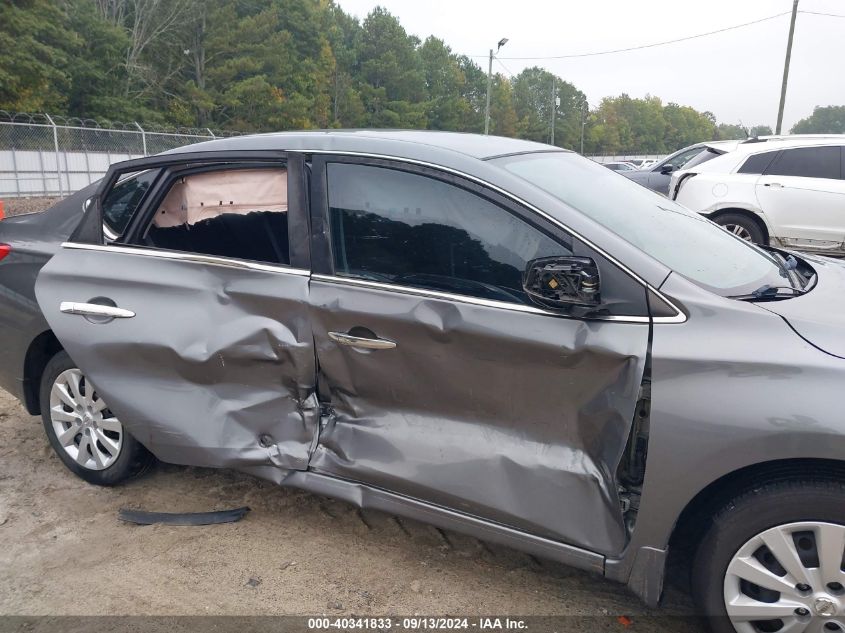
column 787, row 192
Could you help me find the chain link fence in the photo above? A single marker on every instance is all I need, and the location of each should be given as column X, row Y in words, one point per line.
column 44, row 155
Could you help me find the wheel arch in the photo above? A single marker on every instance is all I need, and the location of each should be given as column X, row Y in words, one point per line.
column 42, row 348
column 755, row 217
column 693, row 521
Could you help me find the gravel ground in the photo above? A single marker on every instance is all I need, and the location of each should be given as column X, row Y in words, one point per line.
column 19, row 206
column 65, row 553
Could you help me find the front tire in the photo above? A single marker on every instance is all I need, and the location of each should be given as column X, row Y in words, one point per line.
column 772, row 560
column 86, row 436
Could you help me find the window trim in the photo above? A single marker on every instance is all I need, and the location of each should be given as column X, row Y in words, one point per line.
column 322, row 261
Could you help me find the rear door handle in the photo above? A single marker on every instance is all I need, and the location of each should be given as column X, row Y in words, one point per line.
column 95, row 309
column 775, row 185
column 361, row 342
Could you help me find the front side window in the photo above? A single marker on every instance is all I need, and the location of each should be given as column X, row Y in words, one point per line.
column 237, row 213
column 125, row 196
column 808, row 162
column 670, row 233
column 401, row 228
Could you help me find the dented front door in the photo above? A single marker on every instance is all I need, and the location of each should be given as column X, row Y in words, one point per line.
column 463, row 398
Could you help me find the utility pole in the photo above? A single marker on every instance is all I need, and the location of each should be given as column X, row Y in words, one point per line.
column 502, row 42
column 554, row 112
column 786, row 66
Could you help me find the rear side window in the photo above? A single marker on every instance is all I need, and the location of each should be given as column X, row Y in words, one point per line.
column 758, row 163
column 126, row 195
column 702, row 157
column 807, row 162
column 407, row 229
column 237, row 213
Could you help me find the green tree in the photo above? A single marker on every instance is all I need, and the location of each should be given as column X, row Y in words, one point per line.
column 730, row 131
column 444, row 82
column 823, row 120
column 503, row 119
column 391, row 73
column 34, row 56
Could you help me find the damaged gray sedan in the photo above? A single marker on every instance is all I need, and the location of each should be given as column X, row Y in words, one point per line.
column 494, row 336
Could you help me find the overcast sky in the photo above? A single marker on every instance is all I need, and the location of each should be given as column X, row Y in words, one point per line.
column 736, row 74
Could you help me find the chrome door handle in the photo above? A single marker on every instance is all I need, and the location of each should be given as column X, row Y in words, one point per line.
column 359, row 341
column 776, row 185
column 95, row 309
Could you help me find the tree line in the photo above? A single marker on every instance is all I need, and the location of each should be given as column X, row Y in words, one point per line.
column 265, row 65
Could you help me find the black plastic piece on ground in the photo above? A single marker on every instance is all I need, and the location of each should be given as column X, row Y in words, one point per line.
column 142, row 517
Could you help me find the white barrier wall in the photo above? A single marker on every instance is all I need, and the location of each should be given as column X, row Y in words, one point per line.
column 25, row 173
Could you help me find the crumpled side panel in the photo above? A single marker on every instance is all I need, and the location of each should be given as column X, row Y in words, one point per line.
column 216, row 368
column 515, row 417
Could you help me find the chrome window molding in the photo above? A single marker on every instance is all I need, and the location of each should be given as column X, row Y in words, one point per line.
column 679, row 317
column 189, row 257
column 448, row 296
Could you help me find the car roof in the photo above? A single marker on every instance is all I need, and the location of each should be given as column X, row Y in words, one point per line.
column 400, row 143
column 756, row 146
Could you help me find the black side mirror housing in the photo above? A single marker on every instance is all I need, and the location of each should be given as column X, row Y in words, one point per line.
column 667, row 169
column 563, row 282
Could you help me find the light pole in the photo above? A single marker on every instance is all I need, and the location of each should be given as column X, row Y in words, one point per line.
column 584, row 107
column 502, row 42
column 554, row 104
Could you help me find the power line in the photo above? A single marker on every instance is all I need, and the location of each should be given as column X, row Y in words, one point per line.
column 829, row 15
column 507, row 70
column 637, row 48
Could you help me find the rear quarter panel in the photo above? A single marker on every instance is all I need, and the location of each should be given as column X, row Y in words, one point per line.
column 34, row 239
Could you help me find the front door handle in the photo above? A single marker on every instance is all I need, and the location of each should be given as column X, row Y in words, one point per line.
column 95, row 310
column 361, row 342
column 774, row 185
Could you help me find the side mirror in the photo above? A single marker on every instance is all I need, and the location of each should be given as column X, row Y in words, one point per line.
column 667, row 169
column 563, row 282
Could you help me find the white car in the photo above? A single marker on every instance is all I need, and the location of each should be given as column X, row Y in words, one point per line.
column 787, row 192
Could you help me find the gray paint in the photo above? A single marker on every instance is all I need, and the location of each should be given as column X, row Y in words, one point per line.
column 732, row 387
column 489, row 411
column 216, row 368
column 727, row 384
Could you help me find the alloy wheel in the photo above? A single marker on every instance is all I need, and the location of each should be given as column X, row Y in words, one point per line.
column 85, row 428
column 788, row 579
column 740, row 231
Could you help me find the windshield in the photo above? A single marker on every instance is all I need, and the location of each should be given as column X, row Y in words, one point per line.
column 673, row 235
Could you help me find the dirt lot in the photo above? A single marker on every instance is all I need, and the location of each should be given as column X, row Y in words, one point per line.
column 17, row 206
column 65, row 552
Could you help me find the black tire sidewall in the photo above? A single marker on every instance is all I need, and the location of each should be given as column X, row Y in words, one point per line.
column 757, row 235
column 746, row 516
column 132, row 458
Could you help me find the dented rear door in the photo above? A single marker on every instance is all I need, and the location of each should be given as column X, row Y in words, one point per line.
column 207, row 361
column 465, row 398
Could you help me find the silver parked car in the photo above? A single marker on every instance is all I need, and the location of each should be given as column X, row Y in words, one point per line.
column 495, row 336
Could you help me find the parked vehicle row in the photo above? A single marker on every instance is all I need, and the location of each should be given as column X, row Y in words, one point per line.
column 495, row 336
column 786, row 192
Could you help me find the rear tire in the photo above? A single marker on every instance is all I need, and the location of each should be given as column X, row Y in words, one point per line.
column 88, row 439
column 801, row 520
column 742, row 226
